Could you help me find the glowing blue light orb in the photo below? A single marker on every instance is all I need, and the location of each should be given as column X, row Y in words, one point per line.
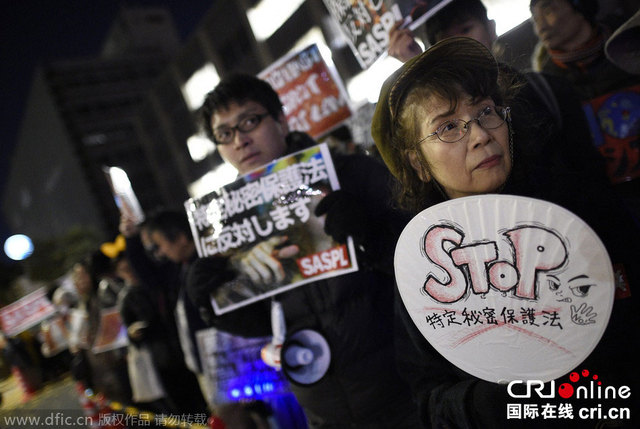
column 18, row 247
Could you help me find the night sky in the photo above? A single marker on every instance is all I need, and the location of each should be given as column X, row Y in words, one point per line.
column 36, row 32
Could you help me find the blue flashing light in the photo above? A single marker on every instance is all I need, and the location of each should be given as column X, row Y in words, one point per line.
column 258, row 390
column 251, row 377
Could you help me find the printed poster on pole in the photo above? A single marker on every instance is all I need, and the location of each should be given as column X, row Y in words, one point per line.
column 123, row 194
column 264, row 229
column 314, row 98
column 366, row 23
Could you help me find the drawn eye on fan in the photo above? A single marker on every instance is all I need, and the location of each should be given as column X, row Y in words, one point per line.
column 554, row 283
column 579, row 286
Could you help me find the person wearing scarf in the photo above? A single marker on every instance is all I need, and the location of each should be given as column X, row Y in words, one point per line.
column 572, row 44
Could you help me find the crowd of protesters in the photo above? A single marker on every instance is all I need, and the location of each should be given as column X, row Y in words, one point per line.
column 546, row 148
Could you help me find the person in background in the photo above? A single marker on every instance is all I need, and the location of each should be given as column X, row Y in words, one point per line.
column 466, row 18
column 170, row 234
column 64, row 299
column 572, row 45
column 149, row 298
column 449, row 124
column 145, row 333
column 53, row 336
column 105, row 372
column 80, row 336
column 243, row 116
column 161, row 274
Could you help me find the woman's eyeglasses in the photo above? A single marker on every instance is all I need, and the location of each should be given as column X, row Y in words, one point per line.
column 490, row 118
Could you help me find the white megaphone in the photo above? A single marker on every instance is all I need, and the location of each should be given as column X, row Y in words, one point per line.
column 305, row 357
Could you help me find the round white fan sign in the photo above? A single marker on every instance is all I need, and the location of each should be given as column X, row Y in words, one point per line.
column 505, row 287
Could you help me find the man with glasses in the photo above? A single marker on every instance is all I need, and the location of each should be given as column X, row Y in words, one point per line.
column 247, row 144
column 354, row 312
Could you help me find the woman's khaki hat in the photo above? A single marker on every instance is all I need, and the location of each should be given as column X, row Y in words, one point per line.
column 470, row 57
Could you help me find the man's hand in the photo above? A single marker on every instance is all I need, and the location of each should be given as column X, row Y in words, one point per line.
column 402, row 45
column 346, row 216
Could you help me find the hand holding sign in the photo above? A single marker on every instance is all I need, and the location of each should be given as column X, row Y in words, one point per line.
column 366, row 24
column 204, row 277
column 264, row 233
column 345, row 216
column 402, row 45
column 128, row 226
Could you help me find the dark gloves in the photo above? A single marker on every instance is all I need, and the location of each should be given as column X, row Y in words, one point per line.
column 374, row 233
column 205, row 276
column 346, row 215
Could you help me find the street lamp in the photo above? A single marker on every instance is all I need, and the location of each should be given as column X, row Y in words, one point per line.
column 18, row 247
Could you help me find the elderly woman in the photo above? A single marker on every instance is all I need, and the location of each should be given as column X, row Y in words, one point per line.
column 451, row 123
